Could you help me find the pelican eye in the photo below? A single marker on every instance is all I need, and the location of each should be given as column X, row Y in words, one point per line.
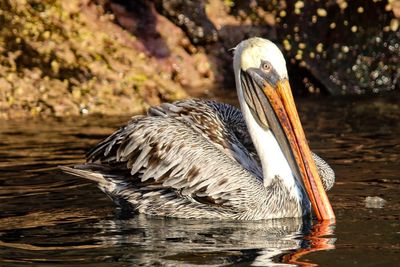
column 266, row 66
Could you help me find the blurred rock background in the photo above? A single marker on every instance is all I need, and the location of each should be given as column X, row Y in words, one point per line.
column 119, row 57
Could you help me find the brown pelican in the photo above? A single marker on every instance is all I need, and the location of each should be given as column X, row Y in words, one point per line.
column 203, row 159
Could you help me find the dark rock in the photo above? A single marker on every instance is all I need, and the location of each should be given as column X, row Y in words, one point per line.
column 139, row 18
column 337, row 46
column 191, row 17
column 342, row 47
column 349, row 47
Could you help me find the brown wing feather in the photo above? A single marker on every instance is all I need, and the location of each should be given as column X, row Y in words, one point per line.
column 164, row 152
column 222, row 124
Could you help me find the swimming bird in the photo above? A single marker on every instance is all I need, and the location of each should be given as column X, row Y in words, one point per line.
column 204, row 159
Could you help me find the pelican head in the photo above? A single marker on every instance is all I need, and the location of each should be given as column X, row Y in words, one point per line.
column 259, row 53
column 264, row 89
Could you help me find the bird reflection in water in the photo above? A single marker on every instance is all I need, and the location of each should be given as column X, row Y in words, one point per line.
column 281, row 242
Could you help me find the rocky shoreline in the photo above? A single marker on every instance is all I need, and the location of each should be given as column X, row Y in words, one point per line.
column 112, row 57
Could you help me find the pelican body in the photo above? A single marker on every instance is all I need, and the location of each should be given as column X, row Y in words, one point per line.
column 203, row 159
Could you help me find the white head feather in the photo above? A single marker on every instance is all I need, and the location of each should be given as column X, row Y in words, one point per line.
column 250, row 52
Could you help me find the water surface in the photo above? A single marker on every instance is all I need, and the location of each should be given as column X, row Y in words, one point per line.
column 51, row 219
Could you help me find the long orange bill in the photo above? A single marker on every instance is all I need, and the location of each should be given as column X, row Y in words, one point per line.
column 282, row 102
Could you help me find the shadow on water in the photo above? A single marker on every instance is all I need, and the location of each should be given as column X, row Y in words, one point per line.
column 50, row 219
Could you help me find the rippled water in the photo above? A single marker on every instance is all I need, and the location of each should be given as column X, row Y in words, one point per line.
column 51, row 219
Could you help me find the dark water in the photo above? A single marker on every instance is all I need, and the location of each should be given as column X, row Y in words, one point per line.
column 51, row 219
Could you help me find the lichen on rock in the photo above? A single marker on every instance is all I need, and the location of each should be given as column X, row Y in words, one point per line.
column 68, row 58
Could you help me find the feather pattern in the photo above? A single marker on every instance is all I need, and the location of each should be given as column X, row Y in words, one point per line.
column 188, row 159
